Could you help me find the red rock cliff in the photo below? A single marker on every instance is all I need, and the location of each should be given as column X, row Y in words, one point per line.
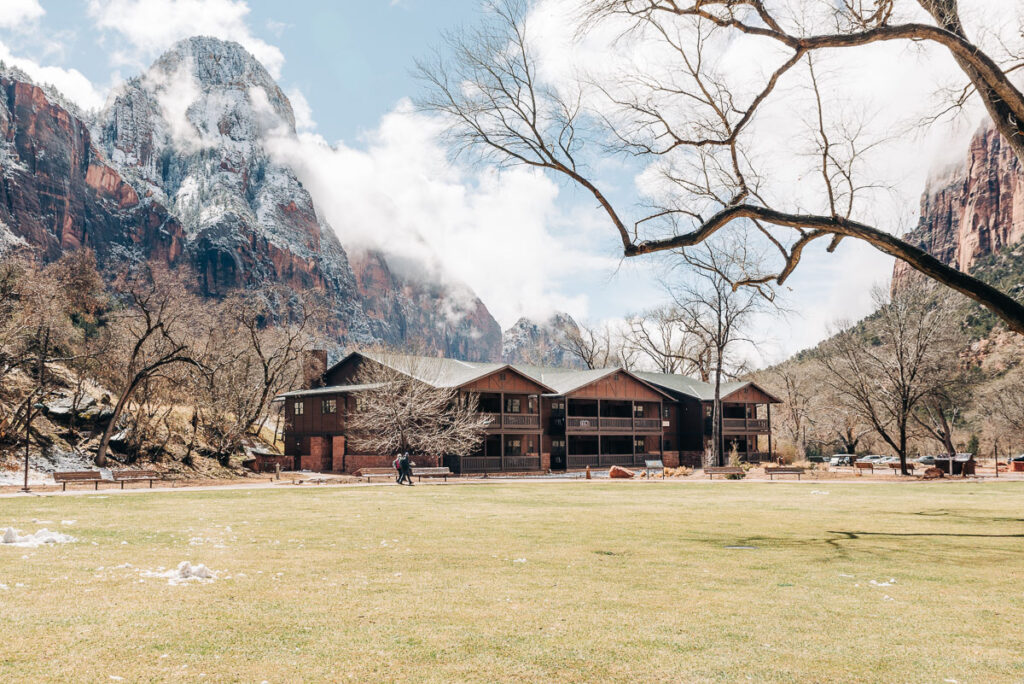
column 971, row 210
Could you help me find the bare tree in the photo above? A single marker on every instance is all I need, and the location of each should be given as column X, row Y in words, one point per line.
column 411, row 410
column 1004, row 401
column 662, row 337
column 720, row 312
column 255, row 353
column 796, row 388
column 152, row 332
column 697, row 128
column 889, row 366
column 592, row 346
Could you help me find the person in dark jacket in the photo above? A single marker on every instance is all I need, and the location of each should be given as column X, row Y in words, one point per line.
column 405, row 467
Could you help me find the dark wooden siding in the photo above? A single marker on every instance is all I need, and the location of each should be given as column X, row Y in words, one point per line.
column 619, row 385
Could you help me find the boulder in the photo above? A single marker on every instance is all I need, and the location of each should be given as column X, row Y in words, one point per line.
column 932, row 473
column 620, row 472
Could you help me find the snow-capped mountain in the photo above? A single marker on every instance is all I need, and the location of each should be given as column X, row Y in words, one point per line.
column 175, row 167
column 540, row 343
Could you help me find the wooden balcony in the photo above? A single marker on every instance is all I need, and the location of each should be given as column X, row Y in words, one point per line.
column 521, row 420
column 594, row 424
column 581, row 423
column 512, row 420
column 738, row 426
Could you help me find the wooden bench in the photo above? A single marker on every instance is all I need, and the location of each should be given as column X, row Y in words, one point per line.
column 123, row 476
column 85, row 476
column 377, row 472
column 783, row 470
column 724, row 470
column 896, row 467
column 860, row 465
column 441, row 471
column 655, row 464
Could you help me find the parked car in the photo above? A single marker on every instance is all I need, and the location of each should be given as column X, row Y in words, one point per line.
column 841, row 460
column 927, row 460
column 1018, row 458
column 889, row 459
column 872, row 458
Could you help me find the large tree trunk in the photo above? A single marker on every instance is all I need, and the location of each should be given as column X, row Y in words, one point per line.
column 101, row 451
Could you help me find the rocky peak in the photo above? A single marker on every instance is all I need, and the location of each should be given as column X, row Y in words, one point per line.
column 972, row 209
column 540, row 342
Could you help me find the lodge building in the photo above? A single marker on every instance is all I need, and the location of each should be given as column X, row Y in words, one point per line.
column 540, row 418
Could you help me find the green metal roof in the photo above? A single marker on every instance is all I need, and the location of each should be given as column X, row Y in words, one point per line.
column 330, row 389
column 705, row 391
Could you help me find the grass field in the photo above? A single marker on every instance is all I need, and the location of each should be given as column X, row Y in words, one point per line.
column 573, row 581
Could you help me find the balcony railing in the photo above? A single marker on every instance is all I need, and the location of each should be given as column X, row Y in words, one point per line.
column 745, row 424
column 522, row 420
column 581, row 423
column 647, row 424
column 593, row 424
column 531, row 420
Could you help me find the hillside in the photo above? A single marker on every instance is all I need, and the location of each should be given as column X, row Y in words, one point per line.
column 972, row 217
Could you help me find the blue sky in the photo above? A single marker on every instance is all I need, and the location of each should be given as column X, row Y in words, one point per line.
column 528, row 245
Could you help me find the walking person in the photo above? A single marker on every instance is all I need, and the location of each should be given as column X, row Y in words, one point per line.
column 397, row 463
column 405, row 469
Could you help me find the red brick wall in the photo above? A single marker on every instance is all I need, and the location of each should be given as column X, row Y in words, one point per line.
column 338, row 453
column 545, row 460
column 318, row 447
column 354, row 462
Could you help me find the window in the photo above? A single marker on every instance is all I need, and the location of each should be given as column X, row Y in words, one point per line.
column 501, row 376
column 664, row 412
column 558, row 444
column 529, row 446
column 511, row 406
column 640, row 445
column 558, row 406
column 531, row 405
column 638, row 410
column 708, row 409
column 328, row 406
column 513, row 447
column 299, row 408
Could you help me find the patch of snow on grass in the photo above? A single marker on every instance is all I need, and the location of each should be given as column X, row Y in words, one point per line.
column 876, row 583
column 184, row 573
column 44, row 536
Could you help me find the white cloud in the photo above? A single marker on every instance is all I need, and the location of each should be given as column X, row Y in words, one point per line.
column 70, row 82
column 500, row 232
column 151, row 26
column 14, row 13
column 303, row 112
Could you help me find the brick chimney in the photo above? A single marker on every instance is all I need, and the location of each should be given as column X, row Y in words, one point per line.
column 314, row 365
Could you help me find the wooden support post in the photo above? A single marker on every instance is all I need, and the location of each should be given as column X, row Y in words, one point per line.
column 770, row 455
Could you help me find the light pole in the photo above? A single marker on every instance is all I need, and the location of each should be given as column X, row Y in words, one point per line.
column 28, row 439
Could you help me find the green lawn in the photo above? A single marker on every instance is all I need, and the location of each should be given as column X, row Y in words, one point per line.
column 614, row 581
